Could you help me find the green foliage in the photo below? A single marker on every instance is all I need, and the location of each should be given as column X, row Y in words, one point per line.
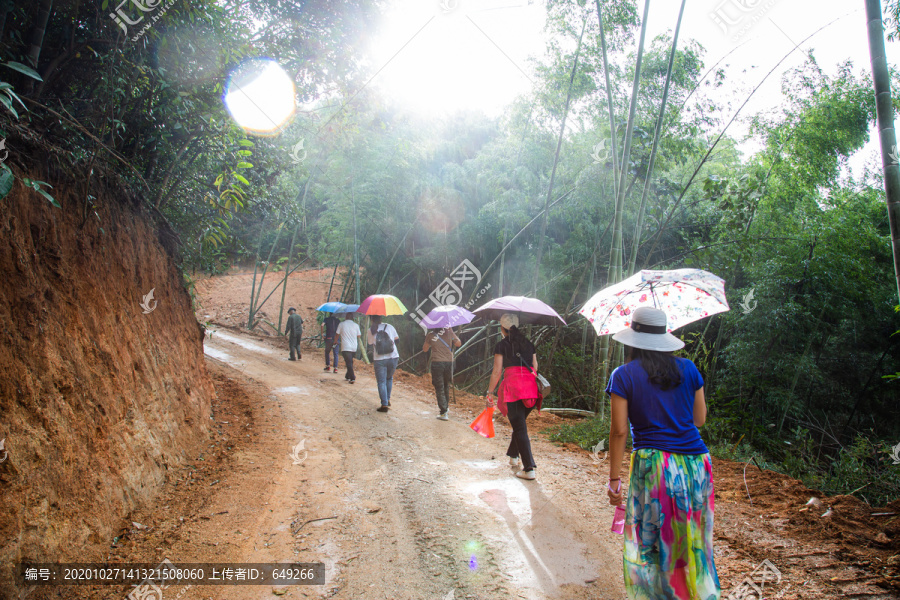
column 6, row 181
column 587, row 433
column 38, row 187
column 862, row 468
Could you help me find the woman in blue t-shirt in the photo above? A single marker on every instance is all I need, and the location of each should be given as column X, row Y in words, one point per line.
column 669, row 514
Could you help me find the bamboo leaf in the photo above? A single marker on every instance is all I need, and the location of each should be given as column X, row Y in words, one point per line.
column 6, row 181
column 17, row 66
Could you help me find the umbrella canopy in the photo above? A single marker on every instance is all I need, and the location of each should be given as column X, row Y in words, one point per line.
column 530, row 310
column 685, row 295
column 447, row 316
column 332, row 307
column 382, row 304
column 348, row 308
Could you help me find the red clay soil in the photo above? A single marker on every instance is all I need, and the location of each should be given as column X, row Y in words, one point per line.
column 98, row 400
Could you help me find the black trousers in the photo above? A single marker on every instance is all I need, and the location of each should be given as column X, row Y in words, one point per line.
column 520, row 445
column 440, row 379
column 348, row 360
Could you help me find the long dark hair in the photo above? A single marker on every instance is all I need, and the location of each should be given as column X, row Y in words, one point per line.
column 661, row 367
column 376, row 321
column 517, row 340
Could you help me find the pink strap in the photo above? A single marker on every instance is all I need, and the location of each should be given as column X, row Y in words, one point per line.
column 615, row 491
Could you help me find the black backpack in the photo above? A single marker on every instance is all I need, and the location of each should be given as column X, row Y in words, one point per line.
column 383, row 342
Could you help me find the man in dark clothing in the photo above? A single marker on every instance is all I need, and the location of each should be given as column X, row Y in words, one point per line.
column 441, row 345
column 295, row 332
column 330, row 325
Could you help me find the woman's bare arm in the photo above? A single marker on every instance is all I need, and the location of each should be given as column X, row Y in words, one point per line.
column 699, row 408
column 495, row 375
column 618, row 433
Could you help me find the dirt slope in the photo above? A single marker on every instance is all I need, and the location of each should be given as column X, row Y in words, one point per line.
column 98, row 400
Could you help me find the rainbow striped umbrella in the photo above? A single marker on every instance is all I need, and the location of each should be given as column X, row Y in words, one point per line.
column 382, row 304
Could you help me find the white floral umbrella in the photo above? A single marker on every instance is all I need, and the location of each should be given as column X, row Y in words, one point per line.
column 685, row 295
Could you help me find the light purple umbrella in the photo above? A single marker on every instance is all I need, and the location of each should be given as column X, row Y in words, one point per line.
column 447, row 316
column 530, row 310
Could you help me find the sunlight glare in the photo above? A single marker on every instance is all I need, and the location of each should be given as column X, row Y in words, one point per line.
column 468, row 54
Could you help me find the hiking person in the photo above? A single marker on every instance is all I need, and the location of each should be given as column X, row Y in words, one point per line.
column 332, row 347
column 669, row 514
column 294, row 331
column 384, row 338
column 518, row 395
column 441, row 345
column 349, row 334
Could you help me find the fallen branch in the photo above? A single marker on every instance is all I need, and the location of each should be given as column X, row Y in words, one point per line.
column 753, row 460
column 313, row 521
column 570, row 411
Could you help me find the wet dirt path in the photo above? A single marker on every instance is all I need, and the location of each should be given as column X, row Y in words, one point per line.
column 399, row 505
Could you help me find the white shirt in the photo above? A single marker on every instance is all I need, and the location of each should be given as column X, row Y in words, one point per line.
column 392, row 333
column 349, row 331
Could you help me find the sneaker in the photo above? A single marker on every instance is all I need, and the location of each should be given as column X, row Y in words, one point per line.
column 526, row 474
column 352, row 380
column 443, row 417
column 334, row 370
column 329, row 368
column 514, row 461
column 382, row 409
column 292, row 359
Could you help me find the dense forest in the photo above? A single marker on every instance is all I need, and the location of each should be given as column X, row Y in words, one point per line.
column 570, row 190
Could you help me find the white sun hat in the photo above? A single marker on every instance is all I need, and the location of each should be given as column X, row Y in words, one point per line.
column 508, row 320
column 648, row 332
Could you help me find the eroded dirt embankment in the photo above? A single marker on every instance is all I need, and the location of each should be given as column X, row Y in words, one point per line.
column 98, row 399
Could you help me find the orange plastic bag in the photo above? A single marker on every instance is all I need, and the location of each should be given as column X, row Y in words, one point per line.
column 484, row 424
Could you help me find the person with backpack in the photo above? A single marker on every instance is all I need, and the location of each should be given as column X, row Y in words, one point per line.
column 384, row 337
column 668, row 529
column 441, row 345
column 515, row 359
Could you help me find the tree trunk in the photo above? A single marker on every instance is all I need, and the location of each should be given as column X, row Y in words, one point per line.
column 287, row 271
column 5, row 7
column 615, row 256
column 638, row 226
column 562, row 131
column 37, row 35
column 882, row 80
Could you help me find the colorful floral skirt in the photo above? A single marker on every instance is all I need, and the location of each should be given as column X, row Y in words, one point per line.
column 669, row 528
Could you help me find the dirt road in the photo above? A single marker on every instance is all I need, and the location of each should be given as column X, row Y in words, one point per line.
column 410, row 506
column 404, row 506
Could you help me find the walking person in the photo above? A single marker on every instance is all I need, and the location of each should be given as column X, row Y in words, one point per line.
column 332, row 346
column 518, row 395
column 349, row 334
column 441, row 345
column 669, row 512
column 384, row 338
column 295, row 332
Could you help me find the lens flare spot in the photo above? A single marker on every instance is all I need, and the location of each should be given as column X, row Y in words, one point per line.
column 441, row 210
column 260, row 97
column 473, row 563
